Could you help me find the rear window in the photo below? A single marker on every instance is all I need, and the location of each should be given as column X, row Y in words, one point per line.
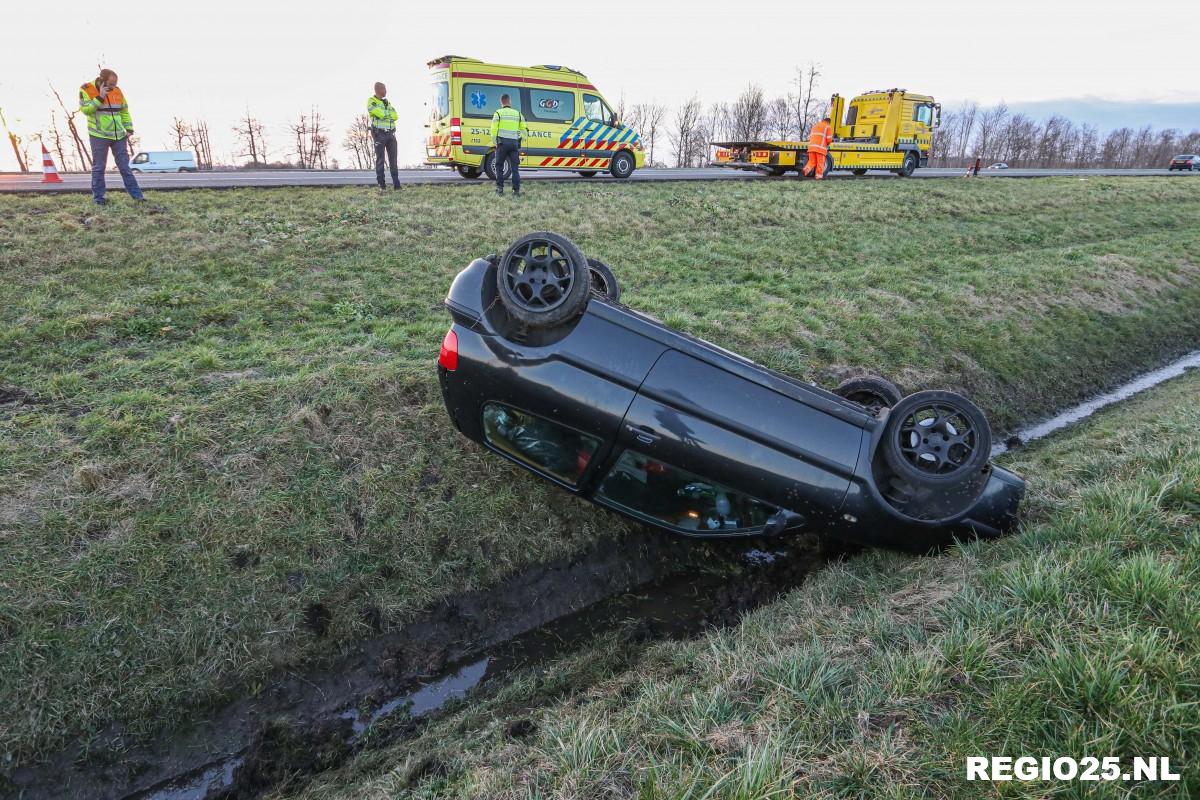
column 546, row 446
column 551, row 106
column 440, row 105
column 482, row 99
column 1185, row 157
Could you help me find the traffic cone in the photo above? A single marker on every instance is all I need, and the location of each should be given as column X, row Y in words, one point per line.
column 49, row 172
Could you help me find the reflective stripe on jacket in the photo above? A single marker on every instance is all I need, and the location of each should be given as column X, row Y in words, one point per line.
column 508, row 123
column 108, row 118
column 820, row 137
column 383, row 114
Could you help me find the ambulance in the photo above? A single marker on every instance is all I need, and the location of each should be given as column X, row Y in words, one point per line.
column 571, row 126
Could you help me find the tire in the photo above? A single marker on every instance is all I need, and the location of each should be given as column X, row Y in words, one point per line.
column 922, row 443
column 587, row 173
column 489, row 167
column 859, row 172
column 622, row 165
column 908, row 166
column 776, row 172
column 603, row 281
column 135, row 170
column 182, row 169
column 468, row 172
column 543, row 280
column 828, row 163
column 871, row 391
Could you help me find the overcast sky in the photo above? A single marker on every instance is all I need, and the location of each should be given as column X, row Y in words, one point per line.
column 279, row 59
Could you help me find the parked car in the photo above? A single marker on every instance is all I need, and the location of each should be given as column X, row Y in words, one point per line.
column 998, row 165
column 544, row 366
column 1186, row 161
column 164, row 161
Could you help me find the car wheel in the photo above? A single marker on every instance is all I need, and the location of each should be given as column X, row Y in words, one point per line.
column 860, row 172
column 489, row 167
column 908, row 166
column 871, row 391
column 468, row 172
column 622, row 165
column 587, row 173
column 603, row 280
column 543, row 280
column 936, row 438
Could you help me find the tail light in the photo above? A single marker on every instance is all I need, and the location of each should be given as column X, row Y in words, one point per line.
column 448, row 357
column 455, row 131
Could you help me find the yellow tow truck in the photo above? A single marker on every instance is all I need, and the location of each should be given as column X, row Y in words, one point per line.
column 887, row 130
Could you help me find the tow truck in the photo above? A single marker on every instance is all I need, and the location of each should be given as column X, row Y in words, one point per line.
column 883, row 129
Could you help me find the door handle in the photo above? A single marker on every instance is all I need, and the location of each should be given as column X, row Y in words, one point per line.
column 643, row 433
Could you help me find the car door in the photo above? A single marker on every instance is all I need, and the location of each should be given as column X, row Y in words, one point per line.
column 704, row 450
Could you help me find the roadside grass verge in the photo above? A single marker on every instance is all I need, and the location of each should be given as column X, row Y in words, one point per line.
column 1079, row 636
column 224, row 454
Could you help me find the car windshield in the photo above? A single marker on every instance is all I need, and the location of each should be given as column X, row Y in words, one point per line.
column 440, row 105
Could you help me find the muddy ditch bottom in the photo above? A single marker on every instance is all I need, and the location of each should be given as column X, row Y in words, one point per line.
column 647, row 586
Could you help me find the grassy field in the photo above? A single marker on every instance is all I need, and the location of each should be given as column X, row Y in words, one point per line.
column 222, row 421
column 1079, row 637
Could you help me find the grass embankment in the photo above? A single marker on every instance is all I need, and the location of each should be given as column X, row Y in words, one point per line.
column 1080, row 637
column 233, row 458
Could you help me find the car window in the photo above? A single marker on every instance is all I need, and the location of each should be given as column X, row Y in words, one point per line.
column 551, row 106
column 141, row 158
column 678, row 498
column 546, row 446
column 596, row 109
column 482, row 99
column 440, row 105
column 923, row 113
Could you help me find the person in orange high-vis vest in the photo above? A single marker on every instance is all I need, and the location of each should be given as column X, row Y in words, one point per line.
column 818, row 146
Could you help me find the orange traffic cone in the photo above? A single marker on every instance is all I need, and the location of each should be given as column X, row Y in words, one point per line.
column 49, row 172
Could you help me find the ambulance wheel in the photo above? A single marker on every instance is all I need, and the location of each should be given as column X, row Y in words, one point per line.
column 587, row 173
column 860, row 172
column 470, row 173
column 908, row 166
column 622, row 165
column 489, row 167
column 871, row 391
column 543, row 280
column 604, row 282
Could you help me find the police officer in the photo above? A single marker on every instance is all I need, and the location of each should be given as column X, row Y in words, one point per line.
column 383, row 130
column 508, row 125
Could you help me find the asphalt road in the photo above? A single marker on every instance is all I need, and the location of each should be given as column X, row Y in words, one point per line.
column 10, row 182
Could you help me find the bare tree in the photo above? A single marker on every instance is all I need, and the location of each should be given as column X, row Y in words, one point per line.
column 179, row 131
column 650, row 123
column 807, row 106
column 360, row 144
column 249, row 132
column 687, row 144
column 748, row 115
column 197, row 138
column 56, row 141
column 84, row 153
column 310, row 140
column 780, row 118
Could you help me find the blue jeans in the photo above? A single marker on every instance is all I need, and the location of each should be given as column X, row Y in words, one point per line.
column 120, row 151
column 508, row 150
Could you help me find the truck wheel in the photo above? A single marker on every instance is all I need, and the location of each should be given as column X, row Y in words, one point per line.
column 871, row 391
column 828, row 163
column 937, row 439
column 860, row 172
column 489, row 167
column 470, row 173
column 543, row 280
column 908, row 165
column 776, row 172
column 587, row 173
column 622, row 165
column 603, row 280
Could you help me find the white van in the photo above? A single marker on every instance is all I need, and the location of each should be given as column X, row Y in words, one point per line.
column 164, row 161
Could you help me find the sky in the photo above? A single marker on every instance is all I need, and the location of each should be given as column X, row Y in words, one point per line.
column 220, row 58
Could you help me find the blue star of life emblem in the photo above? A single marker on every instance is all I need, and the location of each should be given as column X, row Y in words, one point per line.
column 478, row 99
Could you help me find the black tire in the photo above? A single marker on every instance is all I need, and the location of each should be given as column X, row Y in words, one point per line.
column 923, row 445
column 828, row 163
column 871, row 391
column 543, row 280
column 182, row 169
column 776, row 172
column 489, row 167
column 469, row 172
column 603, row 281
column 587, row 173
column 860, row 172
column 908, row 166
column 622, row 165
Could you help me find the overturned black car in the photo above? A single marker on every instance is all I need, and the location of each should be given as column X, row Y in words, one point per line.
column 544, row 366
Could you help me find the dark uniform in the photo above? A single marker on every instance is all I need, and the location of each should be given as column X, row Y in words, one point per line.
column 508, row 126
column 383, row 130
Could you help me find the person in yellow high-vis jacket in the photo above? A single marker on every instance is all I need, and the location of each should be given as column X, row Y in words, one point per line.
column 508, row 126
column 109, row 128
column 383, row 117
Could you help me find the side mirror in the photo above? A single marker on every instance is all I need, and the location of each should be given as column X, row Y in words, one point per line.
column 782, row 521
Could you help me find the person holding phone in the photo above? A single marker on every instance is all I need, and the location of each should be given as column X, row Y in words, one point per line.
column 383, row 130
column 109, row 128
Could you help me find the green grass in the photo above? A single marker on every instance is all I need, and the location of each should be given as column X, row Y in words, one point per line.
column 1079, row 636
column 238, row 416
